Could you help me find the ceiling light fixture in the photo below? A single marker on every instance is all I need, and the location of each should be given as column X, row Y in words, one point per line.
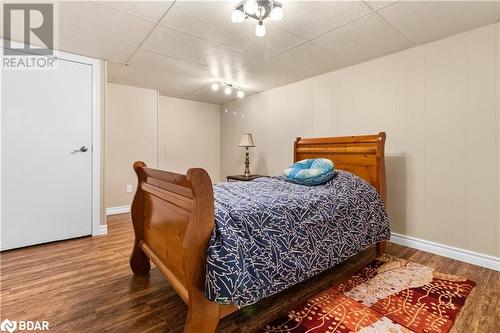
column 250, row 7
column 228, row 88
column 276, row 14
column 237, row 16
column 260, row 30
column 258, row 10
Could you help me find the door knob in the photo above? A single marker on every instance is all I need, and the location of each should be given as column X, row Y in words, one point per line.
column 82, row 149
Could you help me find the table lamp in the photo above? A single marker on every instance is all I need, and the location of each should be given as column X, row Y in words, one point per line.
column 247, row 141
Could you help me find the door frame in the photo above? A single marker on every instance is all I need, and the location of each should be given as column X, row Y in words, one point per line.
column 96, row 147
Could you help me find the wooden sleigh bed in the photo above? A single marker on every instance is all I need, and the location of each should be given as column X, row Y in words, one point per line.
column 173, row 218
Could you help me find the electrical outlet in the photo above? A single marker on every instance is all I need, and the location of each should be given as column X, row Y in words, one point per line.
column 129, row 188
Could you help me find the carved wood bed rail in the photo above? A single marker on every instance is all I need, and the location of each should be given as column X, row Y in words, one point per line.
column 173, row 217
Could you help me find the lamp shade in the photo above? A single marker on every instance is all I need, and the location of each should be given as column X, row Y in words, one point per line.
column 246, row 140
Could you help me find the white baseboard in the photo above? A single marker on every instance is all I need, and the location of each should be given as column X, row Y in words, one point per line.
column 117, row 210
column 452, row 252
column 103, row 229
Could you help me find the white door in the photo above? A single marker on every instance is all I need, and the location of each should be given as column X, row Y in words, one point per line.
column 46, row 154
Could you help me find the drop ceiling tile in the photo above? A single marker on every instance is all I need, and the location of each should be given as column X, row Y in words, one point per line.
column 309, row 59
column 304, row 61
column 163, row 80
column 368, row 38
column 309, row 19
column 172, row 92
column 149, row 10
column 210, row 20
column 95, row 47
column 183, row 46
column 157, row 62
column 265, row 75
column 377, row 4
column 91, row 19
column 206, row 95
column 129, row 82
column 175, row 93
column 426, row 21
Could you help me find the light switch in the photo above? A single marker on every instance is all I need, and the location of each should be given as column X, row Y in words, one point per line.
column 129, row 188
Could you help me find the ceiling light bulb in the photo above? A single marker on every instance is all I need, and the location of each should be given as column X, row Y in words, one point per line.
column 215, row 86
column 276, row 13
column 261, row 11
column 237, row 16
column 240, row 94
column 260, row 30
column 250, row 7
column 228, row 90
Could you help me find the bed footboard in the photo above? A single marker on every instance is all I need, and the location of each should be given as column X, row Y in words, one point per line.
column 173, row 218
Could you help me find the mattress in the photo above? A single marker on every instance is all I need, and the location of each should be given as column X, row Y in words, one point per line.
column 271, row 234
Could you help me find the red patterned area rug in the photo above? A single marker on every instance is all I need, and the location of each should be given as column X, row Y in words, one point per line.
column 388, row 295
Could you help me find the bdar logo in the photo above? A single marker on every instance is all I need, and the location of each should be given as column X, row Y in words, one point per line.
column 9, row 326
column 24, row 325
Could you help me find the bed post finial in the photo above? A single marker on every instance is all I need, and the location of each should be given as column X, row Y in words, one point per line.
column 381, row 246
column 139, row 261
column 137, row 165
column 382, row 186
column 295, row 143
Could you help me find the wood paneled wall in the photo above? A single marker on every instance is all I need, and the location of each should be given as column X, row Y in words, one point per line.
column 130, row 135
column 164, row 132
column 438, row 104
column 188, row 136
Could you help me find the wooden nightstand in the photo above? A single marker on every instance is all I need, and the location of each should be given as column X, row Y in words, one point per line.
column 242, row 178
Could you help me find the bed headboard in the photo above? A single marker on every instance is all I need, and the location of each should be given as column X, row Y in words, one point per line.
column 361, row 155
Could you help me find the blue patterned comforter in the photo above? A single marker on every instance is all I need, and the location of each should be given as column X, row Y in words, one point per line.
column 270, row 234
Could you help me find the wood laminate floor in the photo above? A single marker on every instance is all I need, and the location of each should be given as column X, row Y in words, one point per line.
column 85, row 285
